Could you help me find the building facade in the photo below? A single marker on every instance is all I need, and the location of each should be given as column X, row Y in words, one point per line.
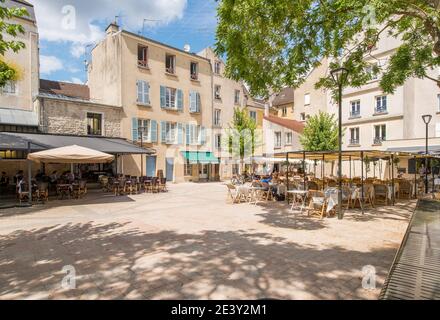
column 17, row 97
column 166, row 97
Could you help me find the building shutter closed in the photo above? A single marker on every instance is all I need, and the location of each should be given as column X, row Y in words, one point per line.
column 135, row 129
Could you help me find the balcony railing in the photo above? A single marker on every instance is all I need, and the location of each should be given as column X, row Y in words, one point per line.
column 194, row 76
column 143, row 63
column 355, row 114
column 380, row 109
column 354, row 141
column 379, row 140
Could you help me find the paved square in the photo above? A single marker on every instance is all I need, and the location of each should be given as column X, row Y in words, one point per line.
column 191, row 244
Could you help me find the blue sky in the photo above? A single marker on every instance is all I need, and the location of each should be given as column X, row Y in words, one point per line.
column 67, row 28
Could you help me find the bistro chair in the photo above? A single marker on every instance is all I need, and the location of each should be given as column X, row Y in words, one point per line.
column 80, row 189
column 317, row 203
column 43, row 191
column 405, row 189
column 163, row 185
column 381, row 193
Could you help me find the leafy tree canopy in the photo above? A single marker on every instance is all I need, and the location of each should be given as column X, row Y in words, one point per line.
column 273, row 44
column 8, row 32
column 320, row 133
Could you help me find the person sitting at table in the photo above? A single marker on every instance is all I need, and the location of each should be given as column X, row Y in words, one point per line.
column 267, row 180
column 39, row 176
column 70, row 176
column 18, row 176
column 4, row 181
column 53, row 177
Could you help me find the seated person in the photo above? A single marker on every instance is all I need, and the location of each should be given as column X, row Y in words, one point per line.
column 39, row 176
column 18, row 176
column 4, row 180
column 53, row 177
column 267, row 180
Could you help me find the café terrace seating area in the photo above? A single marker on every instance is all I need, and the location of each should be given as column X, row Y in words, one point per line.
column 306, row 192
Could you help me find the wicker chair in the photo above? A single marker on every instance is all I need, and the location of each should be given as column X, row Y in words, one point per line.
column 405, row 189
column 162, row 185
column 43, row 191
column 80, row 189
column 381, row 193
column 317, row 204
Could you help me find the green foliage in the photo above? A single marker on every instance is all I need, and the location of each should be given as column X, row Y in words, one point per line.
column 11, row 31
column 274, row 44
column 242, row 136
column 320, row 133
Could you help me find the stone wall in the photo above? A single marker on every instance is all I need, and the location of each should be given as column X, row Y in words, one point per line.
column 70, row 117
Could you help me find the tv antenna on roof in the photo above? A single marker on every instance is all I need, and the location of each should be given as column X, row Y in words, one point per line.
column 147, row 20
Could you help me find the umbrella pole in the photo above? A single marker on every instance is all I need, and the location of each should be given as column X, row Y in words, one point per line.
column 29, row 163
column 362, row 182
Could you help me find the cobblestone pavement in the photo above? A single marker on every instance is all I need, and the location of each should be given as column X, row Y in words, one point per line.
column 191, row 244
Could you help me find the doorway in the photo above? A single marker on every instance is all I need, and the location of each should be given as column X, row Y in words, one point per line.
column 170, row 169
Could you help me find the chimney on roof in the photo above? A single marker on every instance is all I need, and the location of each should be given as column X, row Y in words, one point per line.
column 112, row 28
column 266, row 109
column 187, row 48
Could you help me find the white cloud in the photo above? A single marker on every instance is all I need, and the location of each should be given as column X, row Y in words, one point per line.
column 49, row 64
column 79, row 23
column 77, row 80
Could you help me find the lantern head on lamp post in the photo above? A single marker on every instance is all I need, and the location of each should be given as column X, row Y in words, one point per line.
column 426, row 119
column 340, row 76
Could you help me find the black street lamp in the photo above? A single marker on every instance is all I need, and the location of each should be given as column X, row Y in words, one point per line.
column 339, row 76
column 426, row 119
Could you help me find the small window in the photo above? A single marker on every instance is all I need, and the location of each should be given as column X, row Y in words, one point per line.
column 237, row 97
column 217, row 67
column 381, row 104
column 217, row 92
column 9, row 88
column 354, row 136
column 194, row 69
column 355, row 110
column 94, row 124
column 289, row 138
column 253, row 115
column 218, row 141
column 170, row 63
column 277, row 139
column 302, row 116
column 170, row 132
column 142, row 56
column 284, row 111
column 307, row 99
column 380, row 133
column 217, row 117
column 370, row 70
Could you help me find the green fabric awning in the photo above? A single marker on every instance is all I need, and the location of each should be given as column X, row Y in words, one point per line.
column 195, row 157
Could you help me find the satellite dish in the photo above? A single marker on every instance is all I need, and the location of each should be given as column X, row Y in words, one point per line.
column 187, row 48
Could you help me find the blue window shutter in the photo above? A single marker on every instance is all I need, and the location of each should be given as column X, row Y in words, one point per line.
column 191, row 102
column 139, row 91
column 162, row 96
column 135, row 128
column 147, row 92
column 180, row 100
column 163, row 131
column 187, row 133
column 153, row 134
column 198, row 103
column 179, row 133
column 203, row 135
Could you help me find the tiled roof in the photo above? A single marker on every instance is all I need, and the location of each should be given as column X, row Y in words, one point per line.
column 284, row 97
column 286, row 123
column 65, row 89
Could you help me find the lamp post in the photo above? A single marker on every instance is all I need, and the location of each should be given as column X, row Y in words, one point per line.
column 339, row 76
column 426, row 119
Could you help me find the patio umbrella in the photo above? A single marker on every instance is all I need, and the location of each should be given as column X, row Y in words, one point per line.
column 71, row 154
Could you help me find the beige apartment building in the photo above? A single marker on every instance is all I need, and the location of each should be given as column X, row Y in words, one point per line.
column 228, row 95
column 166, row 97
column 17, row 97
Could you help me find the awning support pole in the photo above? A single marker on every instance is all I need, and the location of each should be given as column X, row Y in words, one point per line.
column 323, row 171
column 304, row 168
column 362, row 182
column 29, row 163
column 415, row 176
column 392, row 179
column 287, row 177
column 351, row 183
